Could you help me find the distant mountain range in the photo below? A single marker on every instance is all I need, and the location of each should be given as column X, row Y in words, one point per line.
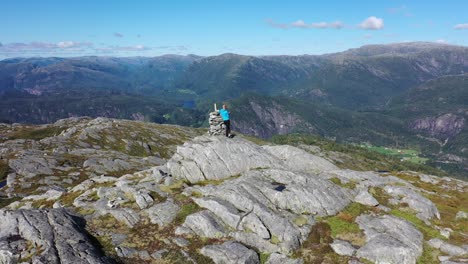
column 398, row 94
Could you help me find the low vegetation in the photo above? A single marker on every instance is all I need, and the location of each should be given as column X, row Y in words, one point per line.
column 35, row 133
column 316, row 249
column 410, row 155
column 4, row 170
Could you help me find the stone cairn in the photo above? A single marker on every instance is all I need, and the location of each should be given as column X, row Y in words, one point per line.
column 216, row 123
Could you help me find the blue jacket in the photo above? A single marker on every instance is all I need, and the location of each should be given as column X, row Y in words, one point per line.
column 224, row 114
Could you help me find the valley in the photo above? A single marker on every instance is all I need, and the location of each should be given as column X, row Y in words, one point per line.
column 411, row 95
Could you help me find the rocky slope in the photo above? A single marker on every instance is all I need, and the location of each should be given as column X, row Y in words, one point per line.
column 215, row 200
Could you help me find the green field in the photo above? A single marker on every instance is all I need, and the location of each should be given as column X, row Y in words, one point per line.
column 410, row 155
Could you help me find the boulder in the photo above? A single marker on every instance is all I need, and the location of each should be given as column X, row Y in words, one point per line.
column 365, row 198
column 277, row 258
column 230, row 253
column 163, row 213
column 389, row 240
column 424, row 207
column 447, row 248
column 343, row 248
column 205, row 224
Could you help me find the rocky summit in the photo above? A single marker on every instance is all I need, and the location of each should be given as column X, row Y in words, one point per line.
column 107, row 191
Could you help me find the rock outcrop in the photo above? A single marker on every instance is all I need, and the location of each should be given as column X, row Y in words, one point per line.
column 46, row 236
column 226, row 200
column 442, row 127
column 389, row 240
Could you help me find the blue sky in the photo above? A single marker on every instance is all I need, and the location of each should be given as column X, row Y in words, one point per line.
column 152, row 28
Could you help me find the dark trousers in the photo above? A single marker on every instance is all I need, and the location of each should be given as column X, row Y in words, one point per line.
column 227, row 123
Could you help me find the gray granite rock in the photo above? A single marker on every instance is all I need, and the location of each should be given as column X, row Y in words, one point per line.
column 300, row 160
column 163, row 213
column 143, row 199
column 180, row 241
column 389, row 240
column 159, row 254
column 60, row 235
column 206, row 158
column 251, row 222
column 126, row 252
column 424, row 207
column 267, row 200
column 224, row 210
column 277, row 258
column 126, row 216
column 365, row 198
column 205, row 224
column 343, row 248
column 447, row 248
column 230, row 253
column 461, row 215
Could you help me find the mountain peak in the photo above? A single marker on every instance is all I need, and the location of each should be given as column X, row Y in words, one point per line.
column 398, row 48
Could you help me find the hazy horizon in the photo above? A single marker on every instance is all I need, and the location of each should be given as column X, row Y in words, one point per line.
column 53, row 28
column 260, row 55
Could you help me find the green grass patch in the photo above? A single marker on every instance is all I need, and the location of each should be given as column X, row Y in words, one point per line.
column 68, row 198
column 429, row 255
column 6, row 201
column 274, row 240
column 343, row 224
column 300, row 220
column 409, row 155
column 4, row 169
column 186, row 210
column 216, row 182
column 448, row 202
column 380, row 195
column 157, row 197
column 43, row 203
column 264, row 257
column 172, row 188
column 36, row 133
column 349, row 184
column 340, row 226
column 316, row 248
column 86, row 211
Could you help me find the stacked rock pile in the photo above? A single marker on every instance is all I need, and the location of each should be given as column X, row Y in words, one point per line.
column 216, row 124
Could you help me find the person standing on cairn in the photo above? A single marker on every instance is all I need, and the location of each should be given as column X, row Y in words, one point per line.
column 227, row 122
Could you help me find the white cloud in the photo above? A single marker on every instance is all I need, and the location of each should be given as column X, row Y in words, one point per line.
column 43, row 46
column 71, row 44
column 111, row 49
column 441, row 41
column 461, row 26
column 372, row 23
column 301, row 24
column 336, row 25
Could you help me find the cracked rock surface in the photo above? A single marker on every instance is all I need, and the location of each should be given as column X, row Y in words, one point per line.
column 58, row 237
